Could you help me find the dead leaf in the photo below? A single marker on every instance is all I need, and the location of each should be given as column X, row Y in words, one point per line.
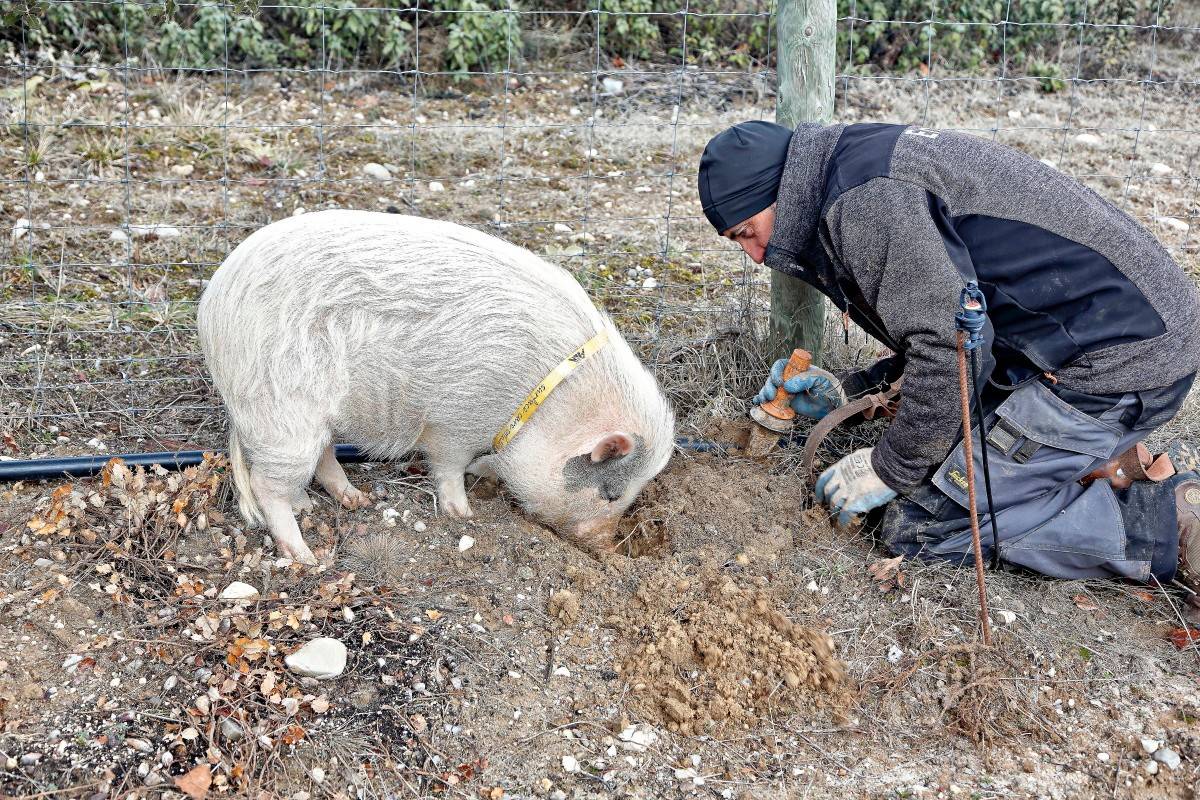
column 320, row 705
column 196, row 782
column 1184, row 638
column 887, row 573
column 1143, row 595
column 1086, row 603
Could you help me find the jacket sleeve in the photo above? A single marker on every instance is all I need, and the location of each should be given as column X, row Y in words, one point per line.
column 884, row 233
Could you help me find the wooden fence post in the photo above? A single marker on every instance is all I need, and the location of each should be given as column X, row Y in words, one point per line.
column 807, row 35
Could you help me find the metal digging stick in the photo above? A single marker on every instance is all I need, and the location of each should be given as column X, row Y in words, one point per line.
column 969, row 305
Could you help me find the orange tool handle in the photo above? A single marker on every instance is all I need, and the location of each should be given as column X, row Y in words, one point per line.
column 780, row 407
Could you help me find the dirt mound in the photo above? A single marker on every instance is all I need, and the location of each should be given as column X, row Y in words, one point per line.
column 711, row 654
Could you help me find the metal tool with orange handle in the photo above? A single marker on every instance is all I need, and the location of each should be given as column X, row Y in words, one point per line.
column 775, row 417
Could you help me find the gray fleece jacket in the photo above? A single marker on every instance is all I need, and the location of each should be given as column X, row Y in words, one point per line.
column 890, row 221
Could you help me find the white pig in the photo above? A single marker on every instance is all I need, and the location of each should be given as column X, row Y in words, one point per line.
column 397, row 333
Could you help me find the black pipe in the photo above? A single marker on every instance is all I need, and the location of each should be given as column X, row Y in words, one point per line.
column 84, row 466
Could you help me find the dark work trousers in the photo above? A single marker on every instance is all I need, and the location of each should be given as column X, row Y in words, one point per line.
column 1041, row 440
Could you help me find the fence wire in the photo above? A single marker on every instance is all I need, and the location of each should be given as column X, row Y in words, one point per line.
column 130, row 172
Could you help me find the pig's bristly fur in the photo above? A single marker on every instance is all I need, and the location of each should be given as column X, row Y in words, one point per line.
column 394, row 333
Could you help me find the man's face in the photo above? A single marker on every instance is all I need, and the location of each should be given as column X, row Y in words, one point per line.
column 754, row 233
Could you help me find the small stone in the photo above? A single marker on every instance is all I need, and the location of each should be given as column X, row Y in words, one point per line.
column 348, row 613
column 613, row 86
column 231, row 730
column 1102, row 757
column 466, row 543
column 318, row 774
column 1150, row 745
column 140, row 745
column 561, row 228
column 170, row 683
column 1167, row 757
column 21, row 228
column 525, row 573
column 562, row 672
column 119, row 235
column 637, row 738
column 1152, row 767
column 1014, row 113
column 183, row 170
column 435, row 186
column 570, row 764
column 321, row 658
column 419, row 526
column 29, row 759
column 1174, row 224
column 1089, row 140
column 300, row 210
column 894, row 654
column 72, row 662
column 43, row 563
column 238, row 591
column 558, row 794
column 812, row 586
column 650, row 283
column 376, row 172
column 1160, row 169
column 1005, row 617
column 11, row 763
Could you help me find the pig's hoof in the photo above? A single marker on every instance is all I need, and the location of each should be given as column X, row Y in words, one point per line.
column 354, row 499
column 457, row 509
column 299, row 553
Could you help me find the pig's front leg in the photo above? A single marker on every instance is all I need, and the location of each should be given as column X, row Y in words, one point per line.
column 333, row 478
column 452, row 492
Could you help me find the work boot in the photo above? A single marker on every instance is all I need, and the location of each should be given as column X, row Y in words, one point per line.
column 1187, row 509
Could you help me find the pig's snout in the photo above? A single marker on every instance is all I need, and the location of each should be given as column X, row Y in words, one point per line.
column 598, row 534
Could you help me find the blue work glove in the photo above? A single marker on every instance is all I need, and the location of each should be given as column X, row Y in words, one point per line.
column 851, row 487
column 815, row 392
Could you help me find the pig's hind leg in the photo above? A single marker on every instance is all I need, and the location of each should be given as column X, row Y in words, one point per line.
column 332, row 477
column 275, row 495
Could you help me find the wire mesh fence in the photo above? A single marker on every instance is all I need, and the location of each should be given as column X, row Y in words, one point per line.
column 141, row 143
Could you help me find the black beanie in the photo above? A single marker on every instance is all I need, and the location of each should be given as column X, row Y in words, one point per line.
column 740, row 171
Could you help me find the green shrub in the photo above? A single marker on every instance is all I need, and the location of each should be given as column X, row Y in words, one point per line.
column 889, row 39
column 486, row 38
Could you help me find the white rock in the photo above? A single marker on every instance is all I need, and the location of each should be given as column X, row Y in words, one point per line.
column 1167, row 757
column 119, row 235
column 1089, row 140
column 1102, row 757
column 466, row 543
column 1150, row 745
column 348, row 613
column 649, row 283
column 570, row 764
column 1014, row 113
column 299, row 211
column 812, row 586
column 1048, row 163
column 238, row 591
column 21, row 228
column 435, row 186
column 637, row 738
column 562, row 672
column 1152, row 767
column 318, row 774
column 894, row 654
column 419, row 526
column 72, row 662
column 1005, row 617
column 1160, row 169
column 321, row 658
column 688, row 774
column 376, row 171
column 154, row 232
column 613, row 86
column 183, row 170
column 561, row 228
column 1174, row 224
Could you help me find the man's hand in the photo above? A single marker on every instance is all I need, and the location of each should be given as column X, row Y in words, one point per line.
column 851, row 487
column 815, row 392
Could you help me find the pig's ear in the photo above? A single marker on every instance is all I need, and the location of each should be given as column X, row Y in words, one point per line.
column 613, row 445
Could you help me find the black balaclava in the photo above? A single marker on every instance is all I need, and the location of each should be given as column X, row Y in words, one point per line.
column 740, row 171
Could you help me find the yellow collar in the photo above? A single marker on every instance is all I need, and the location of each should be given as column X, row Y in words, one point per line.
column 534, row 399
